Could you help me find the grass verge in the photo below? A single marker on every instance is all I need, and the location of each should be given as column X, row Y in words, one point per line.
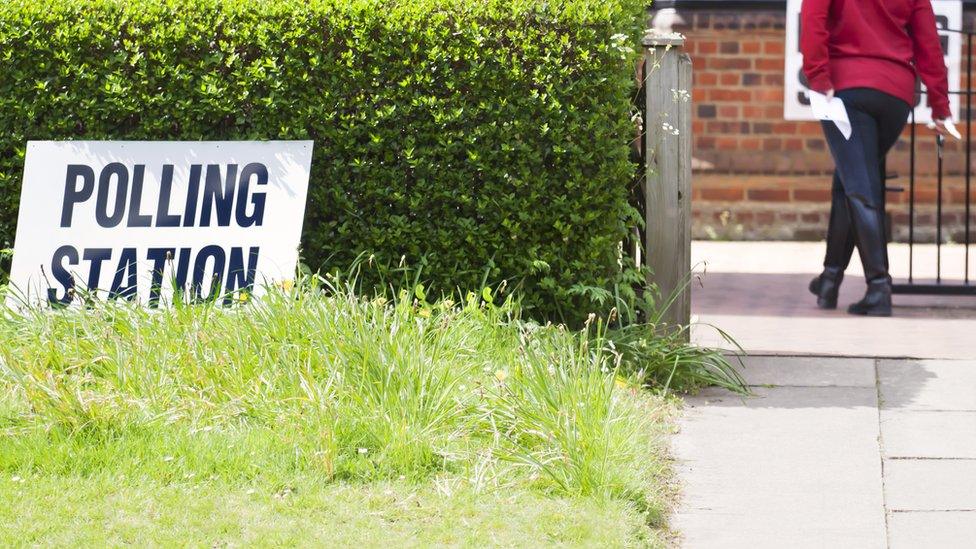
column 316, row 415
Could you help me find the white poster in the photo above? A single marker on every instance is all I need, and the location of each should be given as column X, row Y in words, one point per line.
column 154, row 221
column 796, row 102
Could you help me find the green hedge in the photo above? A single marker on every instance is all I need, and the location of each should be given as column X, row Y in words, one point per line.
column 473, row 137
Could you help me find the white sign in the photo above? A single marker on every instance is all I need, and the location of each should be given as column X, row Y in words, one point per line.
column 154, row 221
column 796, row 100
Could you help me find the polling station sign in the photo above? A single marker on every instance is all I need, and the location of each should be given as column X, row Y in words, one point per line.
column 150, row 221
column 796, row 100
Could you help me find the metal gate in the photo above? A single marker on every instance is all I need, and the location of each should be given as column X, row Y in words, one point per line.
column 912, row 284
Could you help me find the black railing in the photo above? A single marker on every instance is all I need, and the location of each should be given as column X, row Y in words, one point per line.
column 940, row 286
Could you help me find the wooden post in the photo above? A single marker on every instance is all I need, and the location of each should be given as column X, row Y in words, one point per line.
column 668, row 183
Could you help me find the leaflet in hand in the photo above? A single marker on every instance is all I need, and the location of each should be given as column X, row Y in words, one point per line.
column 832, row 110
column 951, row 129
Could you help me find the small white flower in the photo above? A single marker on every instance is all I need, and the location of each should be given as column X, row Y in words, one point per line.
column 363, row 451
column 167, row 458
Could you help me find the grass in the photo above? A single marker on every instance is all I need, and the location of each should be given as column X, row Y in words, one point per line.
column 318, row 416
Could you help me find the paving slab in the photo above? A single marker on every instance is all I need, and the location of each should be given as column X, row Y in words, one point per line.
column 926, row 434
column 757, row 292
column 792, row 466
column 808, row 371
column 928, row 384
column 836, row 334
column 932, row 530
column 788, row 257
column 930, row 484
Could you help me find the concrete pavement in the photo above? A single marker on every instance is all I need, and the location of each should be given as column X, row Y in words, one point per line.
column 832, row 452
column 860, row 433
column 750, row 288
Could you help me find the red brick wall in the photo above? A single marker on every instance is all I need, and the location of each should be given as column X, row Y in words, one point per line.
column 759, row 176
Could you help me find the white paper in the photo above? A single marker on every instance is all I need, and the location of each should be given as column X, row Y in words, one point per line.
column 832, row 110
column 951, row 128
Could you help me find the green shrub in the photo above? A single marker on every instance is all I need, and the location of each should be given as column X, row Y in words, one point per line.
column 478, row 139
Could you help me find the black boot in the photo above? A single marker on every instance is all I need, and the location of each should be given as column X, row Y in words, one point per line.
column 826, row 286
column 876, row 302
column 873, row 248
column 840, row 233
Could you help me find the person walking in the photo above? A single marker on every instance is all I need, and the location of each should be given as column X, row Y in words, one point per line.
column 868, row 53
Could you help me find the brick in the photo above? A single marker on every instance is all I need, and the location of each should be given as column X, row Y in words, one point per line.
column 724, row 94
column 810, row 217
column 707, row 47
column 762, row 127
column 723, row 21
column 725, row 63
column 788, row 217
column 811, row 195
column 750, row 144
column 706, row 111
column 775, row 112
column 752, row 112
column 726, row 126
column 752, row 79
column 773, row 79
column 769, row 95
column 721, row 194
column 816, row 144
column 730, row 79
column 926, row 196
column 714, row 126
column 697, row 126
column 773, row 64
column 774, row 47
column 729, row 47
column 793, row 144
column 705, row 78
column 728, row 111
column 698, row 94
column 751, row 47
column 765, row 218
column 772, row 144
column 784, row 128
column 958, row 196
column 810, row 128
column 705, row 143
column 726, row 143
column 769, row 195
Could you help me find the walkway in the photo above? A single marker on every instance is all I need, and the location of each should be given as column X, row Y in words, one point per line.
column 750, row 288
column 838, row 451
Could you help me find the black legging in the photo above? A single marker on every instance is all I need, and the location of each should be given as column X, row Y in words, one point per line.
column 856, row 215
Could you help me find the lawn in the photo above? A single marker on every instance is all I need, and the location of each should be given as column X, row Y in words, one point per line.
column 314, row 416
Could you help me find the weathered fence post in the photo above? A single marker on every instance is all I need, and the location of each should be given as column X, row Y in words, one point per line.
column 667, row 125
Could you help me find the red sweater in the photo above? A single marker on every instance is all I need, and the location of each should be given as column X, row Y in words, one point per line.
column 876, row 44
